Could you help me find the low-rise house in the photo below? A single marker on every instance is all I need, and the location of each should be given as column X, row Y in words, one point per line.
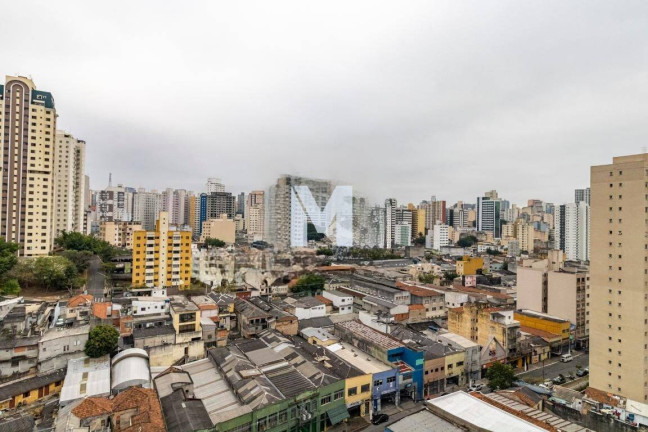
column 18, row 355
column 378, row 306
column 433, row 300
column 342, row 302
column 251, row 320
column 133, row 410
column 226, row 314
column 58, row 345
column 26, row 391
column 79, row 308
column 306, row 307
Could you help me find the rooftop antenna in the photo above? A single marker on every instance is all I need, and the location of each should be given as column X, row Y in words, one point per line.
column 109, row 179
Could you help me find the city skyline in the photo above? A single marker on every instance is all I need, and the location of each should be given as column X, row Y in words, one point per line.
column 393, row 107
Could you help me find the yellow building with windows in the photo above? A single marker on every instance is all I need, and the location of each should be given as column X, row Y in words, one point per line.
column 162, row 258
column 469, row 265
column 30, row 390
column 544, row 322
column 357, row 391
column 455, row 367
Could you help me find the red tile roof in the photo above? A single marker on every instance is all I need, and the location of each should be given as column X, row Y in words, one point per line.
column 542, row 333
column 602, row 396
column 417, row 290
column 147, row 419
column 416, row 307
column 324, row 300
column 79, row 300
column 92, row 407
column 100, row 310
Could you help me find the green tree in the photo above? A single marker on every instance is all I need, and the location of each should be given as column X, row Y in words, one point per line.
column 427, row 278
column 8, row 256
column 209, row 242
column 49, row 272
column 419, row 240
column 10, row 287
column 500, row 376
column 449, row 276
column 309, row 283
column 324, row 251
column 80, row 259
column 81, row 242
column 467, row 241
column 102, row 340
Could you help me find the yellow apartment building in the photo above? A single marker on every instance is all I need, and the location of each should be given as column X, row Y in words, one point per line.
column 162, row 258
column 469, row 265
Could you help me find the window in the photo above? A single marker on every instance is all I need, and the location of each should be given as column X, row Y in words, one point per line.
column 391, row 380
column 326, row 400
column 338, row 395
column 364, row 388
column 354, row 390
column 378, row 383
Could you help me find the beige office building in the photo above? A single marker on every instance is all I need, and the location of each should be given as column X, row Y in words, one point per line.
column 119, row 234
column 618, row 277
column 255, row 215
column 69, row 184
column 28, row 133
column 222, row 229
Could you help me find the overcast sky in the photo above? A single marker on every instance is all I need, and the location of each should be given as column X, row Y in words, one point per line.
column 402, row 99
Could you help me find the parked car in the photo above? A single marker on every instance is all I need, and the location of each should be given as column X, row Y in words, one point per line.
column 582, row 372
column 566, row 358
column 560, row 379
column 380, row 418
column 548, row 384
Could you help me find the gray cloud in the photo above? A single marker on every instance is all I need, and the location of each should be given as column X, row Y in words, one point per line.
column 405, row 99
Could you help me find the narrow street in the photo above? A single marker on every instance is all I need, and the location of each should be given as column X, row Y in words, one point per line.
column 553, row 367
column 96, row 279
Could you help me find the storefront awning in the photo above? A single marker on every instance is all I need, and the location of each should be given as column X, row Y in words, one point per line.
column 338, row 414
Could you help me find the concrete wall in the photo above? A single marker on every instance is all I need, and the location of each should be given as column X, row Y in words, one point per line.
column 529, row 289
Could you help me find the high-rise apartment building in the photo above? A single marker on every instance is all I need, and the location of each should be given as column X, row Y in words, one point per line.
column 418, row 220
column 582, row 195
column 435, row 212
column 214, row 185
column 115, row 203
column 441, row 236
column 619, row 278
column 69, row 184
column 390, row 222
column 488, row 214
column 162, row 258
column 174, row 202
column 146, row 208
column 28, row 133
column 240, row 204
column 572, row 230
column 215, row 204
column 280, row 206
column 255, row 215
